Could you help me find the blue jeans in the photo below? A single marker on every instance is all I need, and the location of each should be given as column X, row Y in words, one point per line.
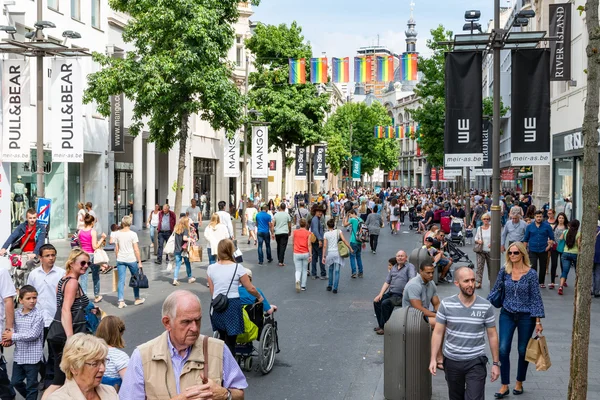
column 568, row 260
column 188, row 267
column 83, row 279
column 122, row 271
column 334, row 275
column 356, row 258
column 525, row 325
column 317, row 257
column 266, row 238
column 212, row 259
column 29, row 373
column 152, row 233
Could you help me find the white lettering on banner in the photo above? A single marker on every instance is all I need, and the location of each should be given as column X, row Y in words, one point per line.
column 231, row 147
column 463, row 131
column 301, row 164
column 319, row 172
column 260, row 149
column 485, row 145
column 67, row 121
column 560, row 44
column 574, row 141
column 530, row 133
column 528, row 159
column 15, row 99
column 463, row 160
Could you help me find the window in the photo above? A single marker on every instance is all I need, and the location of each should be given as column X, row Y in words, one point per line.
column 53, row 4
column 96, row 13
column 239, row 51
column 76, row 9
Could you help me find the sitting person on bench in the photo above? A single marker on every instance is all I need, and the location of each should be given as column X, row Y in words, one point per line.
column 439, row 260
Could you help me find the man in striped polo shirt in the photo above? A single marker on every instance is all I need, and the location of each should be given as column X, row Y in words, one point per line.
column 464, row 319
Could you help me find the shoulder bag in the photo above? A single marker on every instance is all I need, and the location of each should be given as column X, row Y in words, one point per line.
column 342, row 248
column 560, row 247
column 56, row 331
column 221, row 302
column 139, row 280
column 497, row 297
column 478, row 248
column 17, row 248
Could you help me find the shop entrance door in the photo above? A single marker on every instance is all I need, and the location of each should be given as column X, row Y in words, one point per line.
column 123, row 194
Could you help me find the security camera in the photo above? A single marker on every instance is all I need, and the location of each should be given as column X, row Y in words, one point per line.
column 472, row 15
column 44, row 24
column 71, row 35
column 8, row 29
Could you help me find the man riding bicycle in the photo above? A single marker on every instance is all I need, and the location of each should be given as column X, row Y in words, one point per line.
column 28, row 237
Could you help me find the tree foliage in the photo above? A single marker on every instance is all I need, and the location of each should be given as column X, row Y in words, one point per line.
column 295, row 112
column 375, row 153
column 175, row 70
column 431, row 91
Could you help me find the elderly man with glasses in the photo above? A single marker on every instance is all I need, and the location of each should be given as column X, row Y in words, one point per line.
column 514, row 231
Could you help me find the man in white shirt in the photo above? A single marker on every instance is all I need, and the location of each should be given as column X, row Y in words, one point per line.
column 7, row 320
column 226, row 219
column 45, row 280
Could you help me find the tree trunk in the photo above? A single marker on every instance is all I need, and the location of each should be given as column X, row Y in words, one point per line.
column 578, row 382
column 183, row 138
column 283, row 171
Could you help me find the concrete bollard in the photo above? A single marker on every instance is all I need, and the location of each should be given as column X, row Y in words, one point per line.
column 406, row 354
column 417, row 256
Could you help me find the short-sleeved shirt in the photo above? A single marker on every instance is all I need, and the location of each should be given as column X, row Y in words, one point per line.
column 221, row 275
column 398, row 278
column 7, row 289
column 301, row 241
column 116, row 361
column 354, row 223
column 125, row 240
column 193, row 213
column 575, row 248
column 282, row 218
column 416, row 289
column 179, row 241
column 262, row 222
column 332, row 240
column 465, row 327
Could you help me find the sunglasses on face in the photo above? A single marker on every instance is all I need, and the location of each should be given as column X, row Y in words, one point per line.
column 514, row 253
column 84, row 263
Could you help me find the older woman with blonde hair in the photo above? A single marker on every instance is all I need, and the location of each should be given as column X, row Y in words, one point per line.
column 84, row 363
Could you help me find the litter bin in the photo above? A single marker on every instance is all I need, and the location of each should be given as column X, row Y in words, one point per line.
column 406, row 354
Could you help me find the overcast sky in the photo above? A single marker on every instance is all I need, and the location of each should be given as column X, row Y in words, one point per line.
column 339, row 27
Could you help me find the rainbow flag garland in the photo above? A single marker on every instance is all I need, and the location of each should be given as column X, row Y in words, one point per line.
column 385, row 69
column 396, row 132
column 318, row 70
column 408, row 71
column 362, row 69
column 340, row 70
column 298, row 70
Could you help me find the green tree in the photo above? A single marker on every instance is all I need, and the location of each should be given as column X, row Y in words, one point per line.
column 431, row 91
column 350, row 131
column 578, row 379
column 295, row 112
column 175, row 70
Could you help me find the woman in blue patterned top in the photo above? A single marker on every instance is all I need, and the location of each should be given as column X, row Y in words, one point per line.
column 522, row 310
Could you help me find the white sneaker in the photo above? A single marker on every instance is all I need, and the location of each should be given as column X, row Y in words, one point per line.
column 297, row 286
column 192, row 280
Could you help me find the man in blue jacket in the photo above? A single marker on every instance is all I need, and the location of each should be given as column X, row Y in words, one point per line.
column 28, row 236
column 539, row 237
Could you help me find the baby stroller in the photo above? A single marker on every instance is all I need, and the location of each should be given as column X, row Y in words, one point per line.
column 458, row 256
column 457, row 235
column 414, row 219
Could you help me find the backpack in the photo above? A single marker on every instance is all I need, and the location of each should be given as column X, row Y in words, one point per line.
column 336, row 208
column 396, row 211
column 362, row 234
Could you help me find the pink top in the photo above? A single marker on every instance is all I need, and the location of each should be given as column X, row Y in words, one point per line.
column 85, row 238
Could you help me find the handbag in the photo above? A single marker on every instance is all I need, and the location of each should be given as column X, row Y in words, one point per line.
column 533, row 350
column 238, row 256
column 139, row 280
column 56, row 331
column 561, row 244
column 221, row 302
column 497, row 298
column 342, row 248
column 17, row 248
column 313, row 238
column 195, row 253
column 100, row 256
column 478, row 248
column 170, row 245
column 543, row 362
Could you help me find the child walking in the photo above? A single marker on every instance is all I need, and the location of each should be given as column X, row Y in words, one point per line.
column 28, row 337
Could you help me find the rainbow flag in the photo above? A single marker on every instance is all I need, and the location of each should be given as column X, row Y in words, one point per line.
column 385, row 69
column 297, row 71
column 362, row 69
column 318, row 70
column 340, row 70
column 408, row 67
column 400, row 132
column 386, row 132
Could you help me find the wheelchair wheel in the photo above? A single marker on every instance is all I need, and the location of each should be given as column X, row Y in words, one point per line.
column 248, row 364
column 266, row 349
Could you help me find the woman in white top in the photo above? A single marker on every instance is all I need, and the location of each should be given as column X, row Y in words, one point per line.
column 483, row 236
column 250, row 221
column 111, row 329
column 80, row 216
column 224, row 278
column 153, row 222
column 331, row 255
column 214, row 233
column 128, row 257
column 394, row 216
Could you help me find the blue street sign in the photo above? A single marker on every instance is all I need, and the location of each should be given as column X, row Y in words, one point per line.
column 43, row 211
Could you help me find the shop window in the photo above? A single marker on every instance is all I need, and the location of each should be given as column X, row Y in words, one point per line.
column 204, row 185
column 563, row 182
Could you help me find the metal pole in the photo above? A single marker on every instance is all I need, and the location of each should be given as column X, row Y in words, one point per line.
column 40, row 110
column 244, row 194
column 468, row 195
column 496, row 228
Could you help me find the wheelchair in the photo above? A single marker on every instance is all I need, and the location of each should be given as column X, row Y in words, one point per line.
column 268, row 341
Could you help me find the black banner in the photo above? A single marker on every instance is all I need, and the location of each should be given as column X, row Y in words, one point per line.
column 530, row 107
column 560, row 50
column 319, row 173
column 300, row 163
column 462, row 138
column 117, row 140
column 486, row 144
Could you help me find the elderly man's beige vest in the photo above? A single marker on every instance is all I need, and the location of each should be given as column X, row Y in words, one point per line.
column 159, row 377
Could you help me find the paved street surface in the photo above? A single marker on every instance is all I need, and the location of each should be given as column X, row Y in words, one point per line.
column 328, row 347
